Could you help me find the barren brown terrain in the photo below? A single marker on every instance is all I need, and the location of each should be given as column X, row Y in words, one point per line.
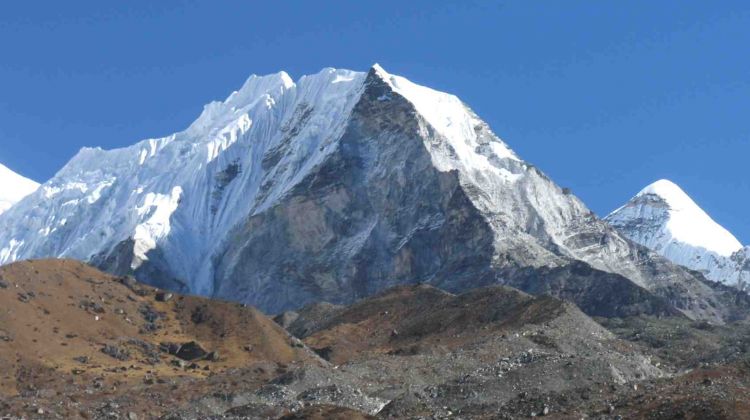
column 70, row 335
column 79, row 343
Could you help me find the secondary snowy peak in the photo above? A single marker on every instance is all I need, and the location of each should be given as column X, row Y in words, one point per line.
column 665, row 219
column 688, row 223
column 13, row 188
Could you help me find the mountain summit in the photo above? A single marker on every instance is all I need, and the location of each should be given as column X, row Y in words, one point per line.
column 335, row 187
column 13, row 188
column 665, row 219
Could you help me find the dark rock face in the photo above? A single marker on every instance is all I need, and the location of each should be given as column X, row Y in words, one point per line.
column 596, row 292
column 154, row 271
column 117, row 260
column 187, row 351
column 162, row 296
column 376, row 214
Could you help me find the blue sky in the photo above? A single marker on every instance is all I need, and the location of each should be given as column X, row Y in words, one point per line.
column 605, row 97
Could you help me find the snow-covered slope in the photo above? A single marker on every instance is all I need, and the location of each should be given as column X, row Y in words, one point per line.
column 329, row 188
column 183, row 191
column 665, row 219
column 13, row 188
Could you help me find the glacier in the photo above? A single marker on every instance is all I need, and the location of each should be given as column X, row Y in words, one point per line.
column 333, row 187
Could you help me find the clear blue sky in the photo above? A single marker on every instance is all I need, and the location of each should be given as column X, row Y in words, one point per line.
column 604, row 96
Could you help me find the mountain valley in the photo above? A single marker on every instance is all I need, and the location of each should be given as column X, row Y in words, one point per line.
column 113, row 348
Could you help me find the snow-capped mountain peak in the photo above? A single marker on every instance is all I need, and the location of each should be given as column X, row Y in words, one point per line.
column 449, row 116
column 664, row 218
column 330, row 188
column 13, row 188
column 689, row 223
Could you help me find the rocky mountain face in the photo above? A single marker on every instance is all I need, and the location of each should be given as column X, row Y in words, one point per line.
column 333, row 188
column 665, row 219
column 13, row 188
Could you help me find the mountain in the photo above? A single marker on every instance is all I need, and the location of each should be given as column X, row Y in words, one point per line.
column 665, row 219
column 13, row 188
column 333, row 188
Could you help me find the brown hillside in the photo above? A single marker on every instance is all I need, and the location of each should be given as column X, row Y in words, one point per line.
column 410, row 319
column 65, row 323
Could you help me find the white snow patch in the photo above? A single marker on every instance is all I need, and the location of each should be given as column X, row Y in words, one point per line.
column 227, row 137
column 343, row 78
column 13, row 188
column 96, row 194
column 10, row 252
column 156, row 210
